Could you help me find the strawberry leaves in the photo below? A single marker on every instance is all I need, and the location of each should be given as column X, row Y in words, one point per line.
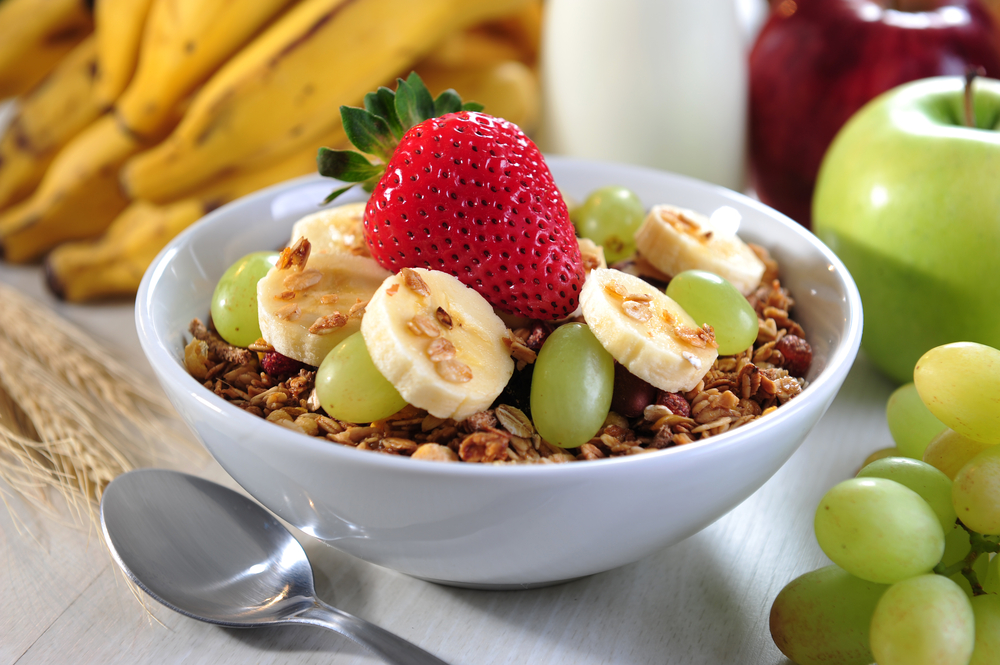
column 377, row 128
column 368, row 132
column 413, row 103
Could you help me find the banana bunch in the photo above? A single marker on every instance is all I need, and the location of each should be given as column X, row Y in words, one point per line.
column 47, row 117
column 172, row 107
column 112, row 265
column 34, row 36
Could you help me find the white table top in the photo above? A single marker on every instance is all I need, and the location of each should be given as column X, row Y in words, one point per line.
column 705, row 600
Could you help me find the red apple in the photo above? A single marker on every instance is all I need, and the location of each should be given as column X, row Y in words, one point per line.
column 816, row 62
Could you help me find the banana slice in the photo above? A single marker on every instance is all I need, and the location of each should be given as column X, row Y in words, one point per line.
column 337, row 230
column 304, row 313
column 646, row 331
column 592, row 254
column 438, row 342
column 674, row 240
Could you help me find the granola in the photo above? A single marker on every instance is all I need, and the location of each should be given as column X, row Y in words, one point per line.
column 736, row 390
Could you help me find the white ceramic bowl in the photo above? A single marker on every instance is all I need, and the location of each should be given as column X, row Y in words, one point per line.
column 487, row 526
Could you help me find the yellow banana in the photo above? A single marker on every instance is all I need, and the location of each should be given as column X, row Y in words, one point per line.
column 508, row 88
column 291, row 79
column 470, row 48
column 48, row 116
column 113, row 265
column 183, row 43
column 119, row 26
column 80, row 195
column 77, row 198
column 522, row 28
column 34, row 37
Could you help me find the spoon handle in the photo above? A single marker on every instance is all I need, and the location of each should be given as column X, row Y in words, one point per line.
column 391, row 648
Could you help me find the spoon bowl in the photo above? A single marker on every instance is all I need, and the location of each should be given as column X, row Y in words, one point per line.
column 213, row 554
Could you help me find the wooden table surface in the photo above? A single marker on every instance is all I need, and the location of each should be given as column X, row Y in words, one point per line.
column 704, row 600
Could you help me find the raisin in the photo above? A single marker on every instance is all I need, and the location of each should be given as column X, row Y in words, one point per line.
column 797, row 354
column 631, row 395
column 539, row 333
column 675, row 402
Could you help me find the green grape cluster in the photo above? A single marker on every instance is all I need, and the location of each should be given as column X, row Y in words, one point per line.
column 914, row 536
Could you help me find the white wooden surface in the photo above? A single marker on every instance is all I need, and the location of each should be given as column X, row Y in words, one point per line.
column 705, row 600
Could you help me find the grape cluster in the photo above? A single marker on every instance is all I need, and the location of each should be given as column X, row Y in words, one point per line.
column 913, row 537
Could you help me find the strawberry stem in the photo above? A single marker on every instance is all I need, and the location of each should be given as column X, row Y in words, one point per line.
column 377, row 129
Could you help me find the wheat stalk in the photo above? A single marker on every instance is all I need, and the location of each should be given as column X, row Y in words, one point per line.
column 72, row 417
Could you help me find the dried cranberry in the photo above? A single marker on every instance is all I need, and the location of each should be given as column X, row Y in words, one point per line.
column 539, row 333
column 797, row 354
column 675, row 402
column 277, row 364
column 631, row 394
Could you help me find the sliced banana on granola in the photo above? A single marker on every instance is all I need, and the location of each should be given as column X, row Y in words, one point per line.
column 308, row 305
column 338, row 230
column 646, row 331
column 674, row 240
column 438, row 342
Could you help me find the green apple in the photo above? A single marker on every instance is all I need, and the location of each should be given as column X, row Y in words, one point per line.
column 908, row 197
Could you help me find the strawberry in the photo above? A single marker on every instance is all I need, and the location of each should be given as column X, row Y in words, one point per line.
column 462, row 192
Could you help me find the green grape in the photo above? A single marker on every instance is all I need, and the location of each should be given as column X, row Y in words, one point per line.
column 878, row 530
column 960, row 384
column 881, row 453
column 234, row 303
column 924, row 620
column 911, row 423
column 571, row 386
column 933, row 486
column 976, row 492
column 986, row 609
column 610, row 217
column 710, row 299
column 351, row 388
column 949, row 451
column 823, row 617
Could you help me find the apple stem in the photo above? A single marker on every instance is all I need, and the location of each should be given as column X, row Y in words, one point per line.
column 970, row 112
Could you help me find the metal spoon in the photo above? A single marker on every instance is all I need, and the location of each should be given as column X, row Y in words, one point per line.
column 208, row 552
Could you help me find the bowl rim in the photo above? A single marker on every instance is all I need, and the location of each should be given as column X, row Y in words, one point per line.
column 167, row 367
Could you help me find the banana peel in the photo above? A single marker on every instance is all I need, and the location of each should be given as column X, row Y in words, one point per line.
column 184, row 43
column 35, row 36
column 290, row 79
column 78, row 197
column 119, row 26
column 113, row 265
column 48, row 116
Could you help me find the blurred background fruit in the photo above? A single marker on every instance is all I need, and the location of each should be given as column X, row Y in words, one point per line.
column 816, row 62
column 136, row 117
column 34, row 36
column 908, row 198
